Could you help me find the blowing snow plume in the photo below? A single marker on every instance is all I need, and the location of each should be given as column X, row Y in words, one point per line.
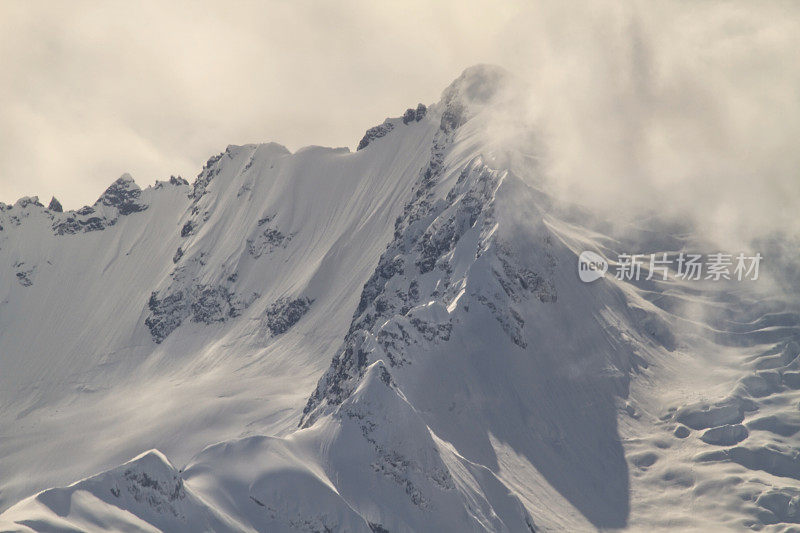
column 398, row 338
column 657, row 109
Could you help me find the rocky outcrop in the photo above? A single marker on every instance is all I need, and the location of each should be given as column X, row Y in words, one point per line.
column 76, row 224
column 414, row 115
column 24, row 275
column 381, row 130
column 27, row 201
column 394, row 312
column 187, row 297
column 201, row 303
column 375, row 132
column 124, row 195
column 166, row 314
column 266, row 239
column 285, row 313
column 146, row 490
column 187, row 229
column 210, row 169
column 121, row 198
column 55, row 206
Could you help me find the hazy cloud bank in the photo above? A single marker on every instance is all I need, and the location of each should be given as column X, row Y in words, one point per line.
column 690, row 108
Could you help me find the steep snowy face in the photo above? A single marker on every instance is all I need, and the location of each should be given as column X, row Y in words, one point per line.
column 477, row 328
column 394, row 339
column 177, row 316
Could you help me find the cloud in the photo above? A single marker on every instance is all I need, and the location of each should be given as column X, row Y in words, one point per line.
column 95, row 89
column 682, row 108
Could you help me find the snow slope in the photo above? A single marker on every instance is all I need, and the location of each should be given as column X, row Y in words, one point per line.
column 84, row 385
column 388, row 340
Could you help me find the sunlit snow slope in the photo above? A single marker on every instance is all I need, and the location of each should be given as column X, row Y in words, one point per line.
column 394, row 339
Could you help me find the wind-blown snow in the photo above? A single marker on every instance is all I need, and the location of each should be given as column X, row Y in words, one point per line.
column 393, row 339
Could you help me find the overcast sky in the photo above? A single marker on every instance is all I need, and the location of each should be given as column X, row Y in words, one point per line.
column 90, row 90
column 93, row 89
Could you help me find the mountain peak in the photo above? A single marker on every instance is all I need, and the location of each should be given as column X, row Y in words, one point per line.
column 123, row 183
column 477, row 85
column 473, row 382
column 55, row 205
column 123, row 194
column 25, row 201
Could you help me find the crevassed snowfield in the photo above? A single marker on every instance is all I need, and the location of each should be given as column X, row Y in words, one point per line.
column 394, row 339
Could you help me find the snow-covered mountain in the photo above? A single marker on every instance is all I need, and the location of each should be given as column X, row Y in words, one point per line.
column 393, row 339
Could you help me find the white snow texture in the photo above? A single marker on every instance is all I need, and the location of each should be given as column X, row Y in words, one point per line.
column 388, row 340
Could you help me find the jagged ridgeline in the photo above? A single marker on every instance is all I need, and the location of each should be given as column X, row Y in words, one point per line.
column 391, row 339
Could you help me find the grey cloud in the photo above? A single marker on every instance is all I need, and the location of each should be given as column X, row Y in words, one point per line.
column 686, row 107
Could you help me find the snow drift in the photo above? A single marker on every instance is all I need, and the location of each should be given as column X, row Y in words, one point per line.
column 394, row 339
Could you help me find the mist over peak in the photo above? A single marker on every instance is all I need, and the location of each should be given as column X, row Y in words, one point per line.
column 560, row 297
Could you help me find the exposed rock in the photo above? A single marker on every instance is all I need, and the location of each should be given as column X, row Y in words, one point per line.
column 432, row 332
column 73, row 225
column 507, row 317
column 285, row 313
column 371, row 414
column 24, row 276
column 213, row 304
column 414, row 115
column 55, row 206
column 27, row 201
column 206, row 304
column 187, row 229
column 426, row 236
column 454, row 116
column 350, row 363
column 210, row 169
column 142, row 487
column 124, row 194
column 266, row 240
column 167, row 314
column 173, row 181
column 375, row 133
column 517, row 279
